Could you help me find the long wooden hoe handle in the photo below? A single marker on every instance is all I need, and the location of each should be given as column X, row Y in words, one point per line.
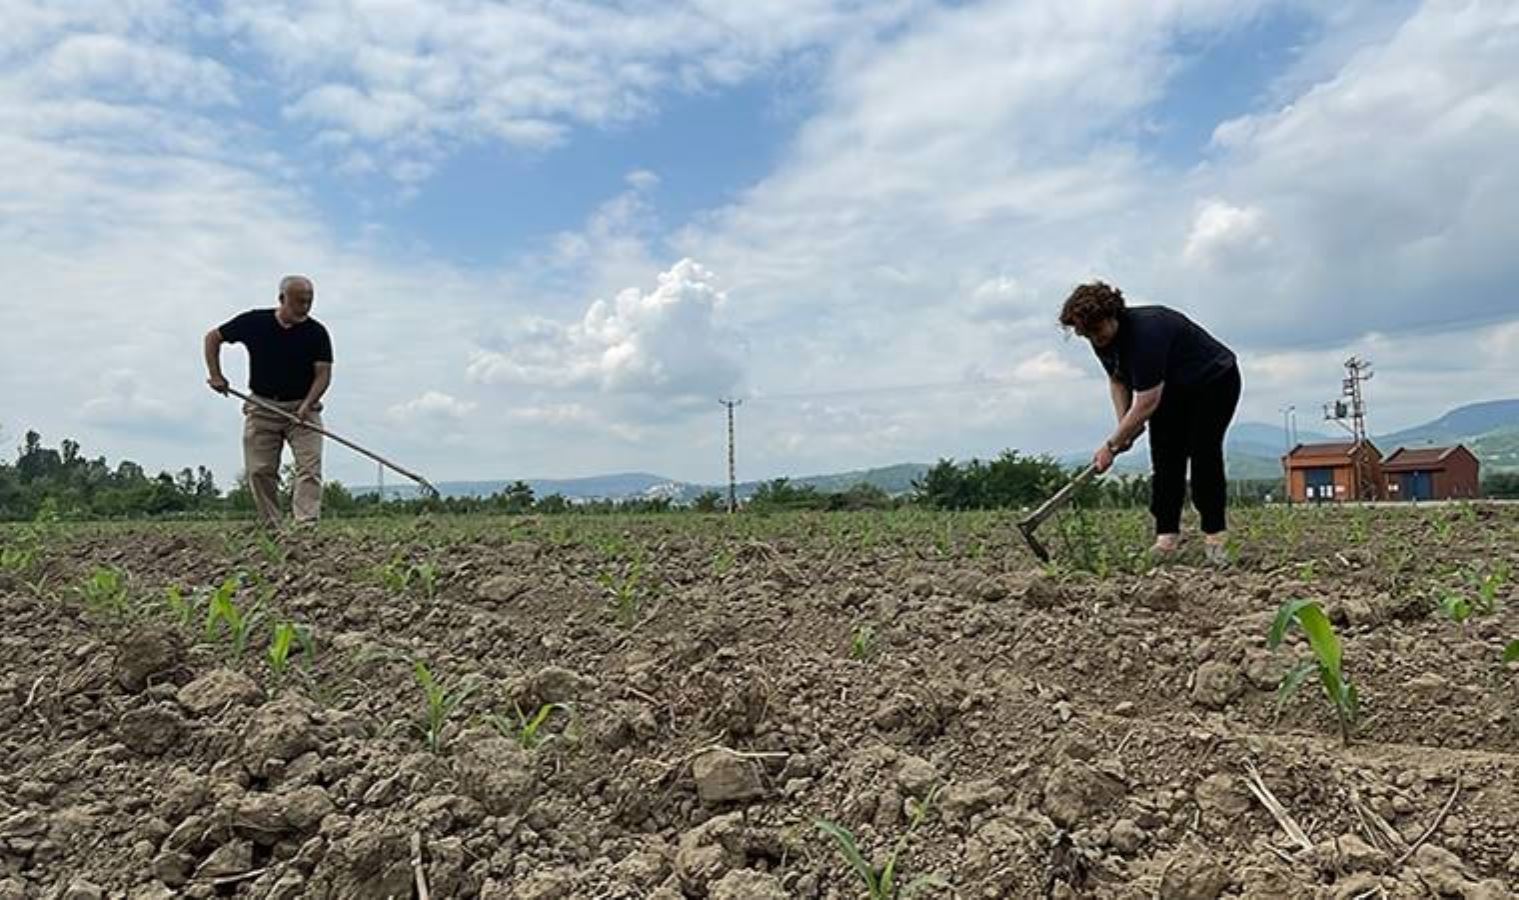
column 270, row 407
column 1049, row 506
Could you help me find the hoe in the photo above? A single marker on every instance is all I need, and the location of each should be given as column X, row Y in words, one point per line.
column 269, row 407
column 1032, row 521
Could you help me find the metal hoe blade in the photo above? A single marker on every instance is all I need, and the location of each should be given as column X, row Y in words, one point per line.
column 1031, row 522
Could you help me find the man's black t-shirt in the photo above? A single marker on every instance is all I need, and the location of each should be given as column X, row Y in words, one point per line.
column 281, row 361
column 1156, row 344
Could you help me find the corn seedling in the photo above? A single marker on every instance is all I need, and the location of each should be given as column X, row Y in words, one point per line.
column 1511, row 652
column 270, row 548
column 441, row 702
column 1456, row 607
column 527, row 730
column 284, row 638
column 1488, row 584
column 224, row 618
column 722, row 561
column 399, row 577
column 17, row 560
column 180, row 608
column 425, row 576
column 105, row 592
column 881, row 882
column 395, row 575
column 1309, row 616
column 862, row 643
column 624, row 591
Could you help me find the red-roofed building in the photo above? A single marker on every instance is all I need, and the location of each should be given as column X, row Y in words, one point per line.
column 1432, row 473
column 1342, row 470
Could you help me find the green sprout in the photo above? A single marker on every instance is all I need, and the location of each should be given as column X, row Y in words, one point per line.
column 1309, row 616
column 862, row 643
column 624, row 591
column 1511, row 652
column 225, row 618
column 270, row 548
column 105, row 592
column 17, row 560
column 425, row 576
column 395, row 575
column 400, row 577
column 527, row 730
column 285, row 636
column 881, row 882
column 1488, row 584
column 1456, row 607
column 180, row 608
column 440, row 704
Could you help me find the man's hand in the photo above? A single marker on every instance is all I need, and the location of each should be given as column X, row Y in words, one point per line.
column 1103, row 458
column 219, row 384
column 303, row 412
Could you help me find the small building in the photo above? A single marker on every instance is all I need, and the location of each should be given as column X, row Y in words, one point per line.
column 1336, row 471
column 1432, row 473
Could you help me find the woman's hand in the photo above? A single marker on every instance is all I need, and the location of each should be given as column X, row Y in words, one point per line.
column 1103, row 458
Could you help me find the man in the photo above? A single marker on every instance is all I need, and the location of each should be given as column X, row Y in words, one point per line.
column 289, row 366
column 1167, row 373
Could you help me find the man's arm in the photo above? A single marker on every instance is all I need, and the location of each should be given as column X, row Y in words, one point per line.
column 319, row 386
column 213, row 349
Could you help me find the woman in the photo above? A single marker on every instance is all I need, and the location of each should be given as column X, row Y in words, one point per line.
column 1166, row 372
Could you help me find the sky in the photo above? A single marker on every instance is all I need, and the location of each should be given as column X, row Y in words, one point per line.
column 548, row 238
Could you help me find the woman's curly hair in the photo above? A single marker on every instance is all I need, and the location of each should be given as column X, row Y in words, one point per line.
column 1089, row 304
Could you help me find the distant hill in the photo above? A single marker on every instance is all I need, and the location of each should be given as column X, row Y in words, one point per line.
column 895, row 479
column 1464, row 424
column 1490, row 430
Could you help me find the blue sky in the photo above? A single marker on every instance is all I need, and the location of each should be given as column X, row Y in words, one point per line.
column 547, row 238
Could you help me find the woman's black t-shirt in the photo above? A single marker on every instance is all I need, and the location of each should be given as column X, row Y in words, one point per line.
column 1156, row 344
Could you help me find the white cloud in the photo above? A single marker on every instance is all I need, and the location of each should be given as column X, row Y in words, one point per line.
column 959, row 171
column 124, row 404
column 665, row 344
column 1225, row 235
column 431, row 407
column 114, row 65
column 417, row 79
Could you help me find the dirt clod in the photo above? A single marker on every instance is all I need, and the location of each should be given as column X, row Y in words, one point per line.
column 722, row 777
column 1077, row 791
column 217, row 690
column 150, row 654
column 748, row 884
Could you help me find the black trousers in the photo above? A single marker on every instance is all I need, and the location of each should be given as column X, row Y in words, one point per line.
column 1189, row 426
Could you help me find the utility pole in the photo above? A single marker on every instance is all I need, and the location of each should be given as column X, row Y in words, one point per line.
column 1287, row 440
column 732, row 479
column 1352, row 406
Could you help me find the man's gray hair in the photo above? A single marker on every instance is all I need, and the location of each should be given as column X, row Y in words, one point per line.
column 290, row 281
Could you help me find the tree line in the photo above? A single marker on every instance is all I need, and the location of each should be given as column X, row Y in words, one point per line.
column 62, row 482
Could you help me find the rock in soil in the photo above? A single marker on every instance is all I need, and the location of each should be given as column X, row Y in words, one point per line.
column 1076, row 792
column 151, row 654
column 151, row 730
column 1216, row 684
column 217, row 690
column 495, row 772
column 748, row 884
column 1193, row 876
column 722, row 777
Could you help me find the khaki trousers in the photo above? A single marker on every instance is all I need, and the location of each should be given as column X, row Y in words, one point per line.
column 264, row 437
